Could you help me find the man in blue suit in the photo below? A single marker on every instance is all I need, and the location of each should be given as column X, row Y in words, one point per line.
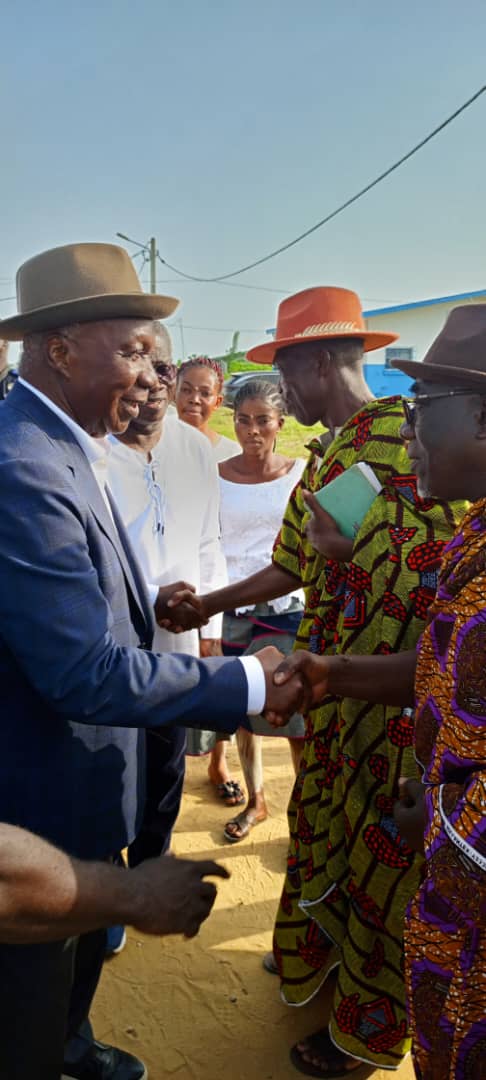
column 79, row 684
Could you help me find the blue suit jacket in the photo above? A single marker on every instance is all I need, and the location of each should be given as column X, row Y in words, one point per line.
column 76, row 687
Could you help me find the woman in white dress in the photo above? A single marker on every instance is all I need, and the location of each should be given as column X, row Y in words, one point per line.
column 255, row 486
column 198, row 394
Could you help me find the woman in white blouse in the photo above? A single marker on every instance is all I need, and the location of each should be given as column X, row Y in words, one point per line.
column 255, row 487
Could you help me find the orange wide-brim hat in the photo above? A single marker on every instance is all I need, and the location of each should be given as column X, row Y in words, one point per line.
column 316, row 315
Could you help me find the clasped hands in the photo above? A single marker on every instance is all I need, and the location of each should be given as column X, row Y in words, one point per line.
column 178, row 608
column 292, row 684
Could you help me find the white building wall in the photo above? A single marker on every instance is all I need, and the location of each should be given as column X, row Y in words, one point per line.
column 417, row 327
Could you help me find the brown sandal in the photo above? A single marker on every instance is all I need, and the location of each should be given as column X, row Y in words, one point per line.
column 230, row 792
column 320, row 1045
column 243, row 822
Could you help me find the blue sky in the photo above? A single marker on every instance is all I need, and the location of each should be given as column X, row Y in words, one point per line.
column 226, row 128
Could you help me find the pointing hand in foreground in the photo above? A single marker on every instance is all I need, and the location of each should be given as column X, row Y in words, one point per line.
column 173, row 896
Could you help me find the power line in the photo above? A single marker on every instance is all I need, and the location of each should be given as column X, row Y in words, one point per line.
column 349, row 202
column 144, row 248
column 144, row 252
column 265, row 288
column 221, row 329
column 243, row 285
column 216, row 281
column 224, row 278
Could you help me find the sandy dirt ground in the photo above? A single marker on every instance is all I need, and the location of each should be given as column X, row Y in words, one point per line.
column 206, row 1009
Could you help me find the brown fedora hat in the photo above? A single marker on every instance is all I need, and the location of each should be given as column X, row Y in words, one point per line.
column 80, row 283
column 317, row 314
column 458, row 354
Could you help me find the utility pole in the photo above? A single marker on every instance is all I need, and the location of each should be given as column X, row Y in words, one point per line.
column 149, row 249
column 181, row 329
column 153, row 266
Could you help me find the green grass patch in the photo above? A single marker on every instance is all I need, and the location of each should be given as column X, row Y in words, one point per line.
column 235, row 366
column 292, row 439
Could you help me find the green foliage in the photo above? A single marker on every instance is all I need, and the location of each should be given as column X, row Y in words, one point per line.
column 238, row 363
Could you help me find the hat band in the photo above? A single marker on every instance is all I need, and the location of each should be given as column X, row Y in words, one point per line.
column 330, row 328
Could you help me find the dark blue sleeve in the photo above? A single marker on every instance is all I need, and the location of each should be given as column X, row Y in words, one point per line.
column 58, row 627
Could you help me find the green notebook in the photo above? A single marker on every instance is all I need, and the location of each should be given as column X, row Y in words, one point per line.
column 348, row 498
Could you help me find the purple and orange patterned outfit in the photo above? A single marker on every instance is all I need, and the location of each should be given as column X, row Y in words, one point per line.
column 446, row 921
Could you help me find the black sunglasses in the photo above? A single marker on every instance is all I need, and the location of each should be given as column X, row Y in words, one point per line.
column 410, row 407
column 166, row 373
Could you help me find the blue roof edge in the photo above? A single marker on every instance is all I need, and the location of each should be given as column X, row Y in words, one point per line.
column 415, row 304
column 424, row 303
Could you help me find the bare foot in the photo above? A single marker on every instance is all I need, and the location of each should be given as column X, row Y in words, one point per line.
column 239, row 826
column 319, row 1051
column 218, row 773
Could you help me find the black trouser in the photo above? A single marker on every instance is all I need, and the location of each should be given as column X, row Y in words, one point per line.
column 45, row 997
column 164, row 782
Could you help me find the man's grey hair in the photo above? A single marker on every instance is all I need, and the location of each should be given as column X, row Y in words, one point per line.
column 34, row 346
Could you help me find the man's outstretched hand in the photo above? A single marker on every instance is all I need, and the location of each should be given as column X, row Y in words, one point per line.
column 291, row 695
column 177, row 608
column 172, row 895
column 300, row 669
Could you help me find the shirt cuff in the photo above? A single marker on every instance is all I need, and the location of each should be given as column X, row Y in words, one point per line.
column 255, row 677
column 153, row 591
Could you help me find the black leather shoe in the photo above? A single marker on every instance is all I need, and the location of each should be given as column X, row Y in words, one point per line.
column 104, row 1062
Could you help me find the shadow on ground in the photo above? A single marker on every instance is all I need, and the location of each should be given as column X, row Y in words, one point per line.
column 205, row 1009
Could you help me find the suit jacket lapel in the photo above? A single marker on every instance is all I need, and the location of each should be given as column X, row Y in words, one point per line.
column 57, row 432
column 142, row 615
column 133, row 568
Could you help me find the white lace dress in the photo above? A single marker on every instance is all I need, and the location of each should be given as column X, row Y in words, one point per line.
column 251, row 516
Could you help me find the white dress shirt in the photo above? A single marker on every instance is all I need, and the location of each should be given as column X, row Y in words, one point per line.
column 169, row 503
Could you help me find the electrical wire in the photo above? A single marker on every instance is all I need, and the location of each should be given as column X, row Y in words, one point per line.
column 288, row 292
column 222, row 278
column 144, row 251
column 216, row 281
column 221, row 329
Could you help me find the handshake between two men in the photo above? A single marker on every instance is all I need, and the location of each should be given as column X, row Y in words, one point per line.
column 293, row 684
column 296, row 682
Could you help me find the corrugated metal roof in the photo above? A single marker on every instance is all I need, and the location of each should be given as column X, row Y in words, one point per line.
column 455, row 297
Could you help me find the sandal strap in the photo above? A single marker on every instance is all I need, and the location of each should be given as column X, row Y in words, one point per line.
column 226, row 788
